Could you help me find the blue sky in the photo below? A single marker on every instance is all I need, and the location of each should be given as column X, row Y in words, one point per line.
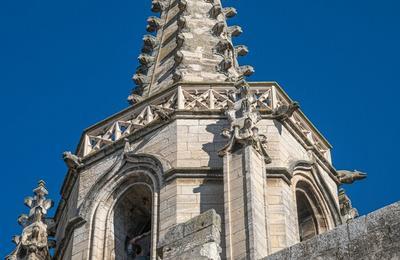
column 65, row 65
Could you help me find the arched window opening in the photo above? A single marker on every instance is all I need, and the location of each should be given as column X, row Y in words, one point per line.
column 307, row 222
column 132, row 224
column 312, row 220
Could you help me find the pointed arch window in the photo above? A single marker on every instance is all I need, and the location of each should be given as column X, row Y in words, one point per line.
column 311, row 219
column 132, row 224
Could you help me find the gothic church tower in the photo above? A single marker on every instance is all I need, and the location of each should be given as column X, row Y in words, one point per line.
column 203, row 164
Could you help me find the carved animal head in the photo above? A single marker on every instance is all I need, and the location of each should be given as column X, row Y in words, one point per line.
column 349, row 177
column 71, row 160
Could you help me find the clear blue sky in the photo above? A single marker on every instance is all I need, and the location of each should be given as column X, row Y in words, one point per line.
column 65, row 65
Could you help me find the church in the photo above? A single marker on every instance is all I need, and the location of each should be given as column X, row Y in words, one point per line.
column 203, row 164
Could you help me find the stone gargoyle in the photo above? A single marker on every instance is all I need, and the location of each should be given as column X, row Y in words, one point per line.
column 72, row 161
column 349, row 177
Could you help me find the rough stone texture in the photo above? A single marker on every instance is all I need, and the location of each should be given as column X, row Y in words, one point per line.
column 374, row 236
column 198, row 238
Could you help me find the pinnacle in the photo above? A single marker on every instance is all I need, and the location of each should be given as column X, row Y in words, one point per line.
column 33, row 242
column 189, row 41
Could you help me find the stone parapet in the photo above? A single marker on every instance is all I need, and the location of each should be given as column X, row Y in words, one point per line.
column 374, row 236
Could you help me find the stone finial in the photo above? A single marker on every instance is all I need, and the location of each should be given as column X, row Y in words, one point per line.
column 34, row 242
column 346, row 209
column 243, row 118
column 349, row 177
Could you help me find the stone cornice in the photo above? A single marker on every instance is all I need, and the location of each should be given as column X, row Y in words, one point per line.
column 279, row 172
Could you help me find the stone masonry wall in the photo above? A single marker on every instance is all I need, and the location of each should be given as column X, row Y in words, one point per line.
column 374, row 236
column 281, row 214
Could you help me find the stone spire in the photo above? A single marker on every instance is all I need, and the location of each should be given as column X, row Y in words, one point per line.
column 34, row 244
column 190, row 42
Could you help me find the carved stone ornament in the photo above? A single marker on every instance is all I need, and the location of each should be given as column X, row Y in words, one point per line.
column 346, row 209
column 72, row 161
column 284, row 112
column 349, row 177
column 243, row 118
column 34, row 243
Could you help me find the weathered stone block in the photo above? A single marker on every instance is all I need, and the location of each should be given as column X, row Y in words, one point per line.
column 198, row 238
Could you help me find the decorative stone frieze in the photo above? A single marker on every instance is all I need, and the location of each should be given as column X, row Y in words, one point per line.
column 269, row 100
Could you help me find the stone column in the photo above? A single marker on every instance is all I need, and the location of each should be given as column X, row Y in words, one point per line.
column 245, row 214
